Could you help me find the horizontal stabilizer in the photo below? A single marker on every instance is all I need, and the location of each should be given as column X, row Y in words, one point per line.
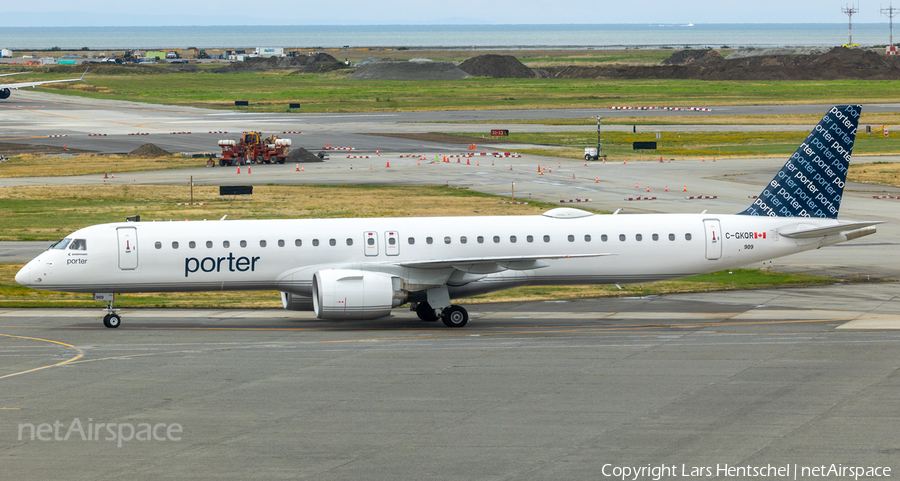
column 809, row 232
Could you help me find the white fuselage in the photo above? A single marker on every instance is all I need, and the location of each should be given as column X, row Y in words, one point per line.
column 285, row 254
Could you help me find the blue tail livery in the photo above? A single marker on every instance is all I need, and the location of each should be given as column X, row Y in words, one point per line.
column 811, row 183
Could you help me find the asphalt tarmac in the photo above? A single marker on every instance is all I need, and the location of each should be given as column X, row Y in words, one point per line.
column 540, row 390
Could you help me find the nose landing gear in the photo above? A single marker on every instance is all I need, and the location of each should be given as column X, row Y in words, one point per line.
column 111, row 320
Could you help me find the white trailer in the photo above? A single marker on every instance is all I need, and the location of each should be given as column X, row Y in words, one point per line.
column 270, row 51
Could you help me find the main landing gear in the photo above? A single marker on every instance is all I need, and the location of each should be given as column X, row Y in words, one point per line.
column 452, row 316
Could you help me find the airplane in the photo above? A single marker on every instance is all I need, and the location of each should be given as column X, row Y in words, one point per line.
column 362, row 268
column 6, row 89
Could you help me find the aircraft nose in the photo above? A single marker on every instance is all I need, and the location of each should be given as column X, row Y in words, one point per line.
column 23, row 277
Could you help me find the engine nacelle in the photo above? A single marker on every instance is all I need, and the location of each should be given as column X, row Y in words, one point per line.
column 295, row 302
column 5, row 93
column 355, row 294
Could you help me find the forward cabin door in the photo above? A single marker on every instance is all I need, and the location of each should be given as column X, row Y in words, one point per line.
column 370, row 243
column 392, row 243
column 713, row 239
column 128, row 248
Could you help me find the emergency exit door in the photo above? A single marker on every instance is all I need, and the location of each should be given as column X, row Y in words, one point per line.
column 128, row 248
column 713, row 239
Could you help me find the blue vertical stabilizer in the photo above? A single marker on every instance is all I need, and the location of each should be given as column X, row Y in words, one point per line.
column 811, row 183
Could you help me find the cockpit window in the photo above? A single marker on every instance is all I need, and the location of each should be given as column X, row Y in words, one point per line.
column 61, row 244
column 78, row 245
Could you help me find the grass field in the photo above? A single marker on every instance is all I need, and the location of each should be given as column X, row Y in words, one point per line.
column 688, row 145
column 50, row 212
column 333, row 92
column 878, row 173
column 31, row 165
column 876, row 120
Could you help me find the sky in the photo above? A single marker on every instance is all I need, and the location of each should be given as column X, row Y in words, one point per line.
column 428, row 12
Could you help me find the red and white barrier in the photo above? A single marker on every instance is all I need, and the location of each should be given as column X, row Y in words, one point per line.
column 885, row 197
column 640, row 198
column 218, row 132
column 139, row 133
column 572, row 201
column 58, row 135
column 292, row 132
column 674, row 109
column 702, row 197
column 96, row 135
column 180, row 132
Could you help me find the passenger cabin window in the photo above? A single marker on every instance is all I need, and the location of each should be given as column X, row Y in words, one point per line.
column 496, row 239
column 529, row 239
column 316, row 242
column 349, row 241
column 671, row 237
column 332, row 242
column 209, row 244
column 687, row 236
column 638, row 237
column 62, row 244
column 546, row 238
column 158, row 245
column 78, row 245
column 370, row 241
column 280, row 242
column 622, row 237
column 480, row 239
column 243, row 243
column 392, row 241
column 604, row 237
column 174, row 244
column 571, row 238
column 192, row 244
column 463, row 240
column 447, row 240
column 262, row 243
column 226, row 244
column 411, row 240
column 298, row 242
column 587, row 237
column 512, row 239
column 656, row 237
column 429, row 240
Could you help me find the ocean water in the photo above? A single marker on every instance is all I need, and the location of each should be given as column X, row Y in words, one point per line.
column 433, row 36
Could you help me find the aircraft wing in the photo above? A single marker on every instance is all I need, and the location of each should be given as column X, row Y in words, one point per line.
column 809, row 231
column 19, row 85
column 16, row 73
column 494, row 264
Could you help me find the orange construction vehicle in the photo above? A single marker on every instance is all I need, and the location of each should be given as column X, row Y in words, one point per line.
column 252, row 148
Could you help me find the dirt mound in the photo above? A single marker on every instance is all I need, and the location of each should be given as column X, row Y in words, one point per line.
column 837, row 63
column 302, row 155
column 148, row 151
column 320, row 62
column 393, row 70
column 693, row 57
column 496, row 66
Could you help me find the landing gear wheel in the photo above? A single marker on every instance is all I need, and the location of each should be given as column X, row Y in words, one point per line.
column 112, row 320
column 425, row 312
column 455, row 316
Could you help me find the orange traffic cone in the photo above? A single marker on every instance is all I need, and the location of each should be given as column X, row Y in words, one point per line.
column 597, row 180
column 467, row 162
column 376, row 152
column 298, row 167
column 636, row 185
column 388, row 164
column 64, row 146
column 105, row 175
column 667, row 188
column 685, row 188
column 113, row 176
column 477, row 163
column 248, row 170
column 648, row 189
column 703, row 159
column 301, row 169
column 239, row 169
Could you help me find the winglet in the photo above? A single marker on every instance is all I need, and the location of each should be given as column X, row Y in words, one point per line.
column 82, row 75
column 811, row 183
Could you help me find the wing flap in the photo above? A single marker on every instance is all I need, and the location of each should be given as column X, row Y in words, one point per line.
column 491, row 264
